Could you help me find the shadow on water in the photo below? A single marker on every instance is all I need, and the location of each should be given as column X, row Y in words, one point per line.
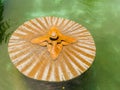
column 75, row 84
column 42, row 85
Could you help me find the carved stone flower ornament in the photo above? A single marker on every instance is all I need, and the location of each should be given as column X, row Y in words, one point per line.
column 51, row 49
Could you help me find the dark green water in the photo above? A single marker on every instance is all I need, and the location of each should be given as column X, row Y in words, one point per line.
column 101, row 17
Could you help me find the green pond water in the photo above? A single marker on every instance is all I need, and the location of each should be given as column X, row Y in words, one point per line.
column 101, row 17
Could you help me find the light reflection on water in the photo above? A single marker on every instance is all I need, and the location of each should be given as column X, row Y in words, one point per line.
column 101, row 17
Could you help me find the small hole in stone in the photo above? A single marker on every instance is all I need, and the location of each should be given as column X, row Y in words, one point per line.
column 53, row 39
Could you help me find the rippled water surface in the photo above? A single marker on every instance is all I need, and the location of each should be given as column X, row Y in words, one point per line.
column 101, row 17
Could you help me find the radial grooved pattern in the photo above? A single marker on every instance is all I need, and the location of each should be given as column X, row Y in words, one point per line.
column 35, row 61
